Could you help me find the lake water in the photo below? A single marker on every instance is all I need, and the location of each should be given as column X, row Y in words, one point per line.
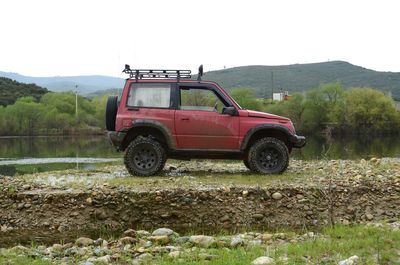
column 19, row 155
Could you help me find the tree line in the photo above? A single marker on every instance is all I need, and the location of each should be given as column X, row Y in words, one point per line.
column 53, row 113
column 331, row 108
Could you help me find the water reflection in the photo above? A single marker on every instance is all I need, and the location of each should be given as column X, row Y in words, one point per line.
column 99, row 147
column 59, row 153
column 35, row 147
column 349, row 148
column 22, row 155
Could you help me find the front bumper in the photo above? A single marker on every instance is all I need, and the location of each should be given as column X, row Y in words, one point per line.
column 298, row 141
column 116, row 138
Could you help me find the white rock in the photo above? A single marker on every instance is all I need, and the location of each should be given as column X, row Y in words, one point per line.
column 237, row 241
column 174, row 254
column 3, row 228
column 105, row 259
column 202, row 241
column 163, row 232
column 350, row 261
column 263, row 260
column 276, row 196
column 84, row 241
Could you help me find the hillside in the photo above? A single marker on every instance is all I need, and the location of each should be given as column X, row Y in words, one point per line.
column 300, row 77
column 11, row 90
column 296, row 77
column 111, row 91
column 86, row 84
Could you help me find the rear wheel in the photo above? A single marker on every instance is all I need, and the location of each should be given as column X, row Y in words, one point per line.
column 268, row 156
column 144, row 157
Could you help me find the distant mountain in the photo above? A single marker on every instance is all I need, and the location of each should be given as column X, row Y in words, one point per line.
column 301, row 77
column 11, row 90
column 112, row 91
column 296, row 77
column 86, row 84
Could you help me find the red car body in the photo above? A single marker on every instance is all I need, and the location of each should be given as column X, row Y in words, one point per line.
column 218, row 135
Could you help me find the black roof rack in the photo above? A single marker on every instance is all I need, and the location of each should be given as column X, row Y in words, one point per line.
column 156, row 74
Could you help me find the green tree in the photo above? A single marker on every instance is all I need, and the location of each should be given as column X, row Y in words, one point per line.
column 99, row 106
column 367, row 108
column 294, row 108
column 246, row 98
column 24, row 116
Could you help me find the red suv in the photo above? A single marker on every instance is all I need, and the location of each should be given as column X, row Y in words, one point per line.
column 165, row 114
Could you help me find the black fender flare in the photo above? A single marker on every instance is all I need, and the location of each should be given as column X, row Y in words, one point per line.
column 143, row 123
column 260, row 127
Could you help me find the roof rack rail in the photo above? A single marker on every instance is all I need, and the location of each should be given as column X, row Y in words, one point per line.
column 156, row 74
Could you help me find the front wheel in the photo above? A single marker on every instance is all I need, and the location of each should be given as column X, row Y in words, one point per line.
column 144, row 157
column 268, row 156
column 246, row 163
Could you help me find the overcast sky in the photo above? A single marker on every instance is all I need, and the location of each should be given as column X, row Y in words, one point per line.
column 81, row 37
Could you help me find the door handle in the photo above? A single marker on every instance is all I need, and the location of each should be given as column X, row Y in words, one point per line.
column 184, row 119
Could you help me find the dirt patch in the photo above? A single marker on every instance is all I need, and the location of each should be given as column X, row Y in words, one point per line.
column 310, row 194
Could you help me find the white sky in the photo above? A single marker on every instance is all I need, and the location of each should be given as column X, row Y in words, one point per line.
column 81, row 37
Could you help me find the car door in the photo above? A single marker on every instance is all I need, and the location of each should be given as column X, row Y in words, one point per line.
column 199, row 122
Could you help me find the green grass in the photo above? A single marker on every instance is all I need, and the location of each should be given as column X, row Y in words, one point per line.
column 15, row 259
column 373, row 245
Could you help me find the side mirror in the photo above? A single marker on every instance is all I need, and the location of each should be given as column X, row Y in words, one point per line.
column 230, row 111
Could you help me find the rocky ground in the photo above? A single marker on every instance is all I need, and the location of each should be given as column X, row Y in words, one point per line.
column 164, row 246
column 196, row 196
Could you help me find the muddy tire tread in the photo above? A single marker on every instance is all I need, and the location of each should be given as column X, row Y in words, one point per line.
column 129, row 152
column 271, row 141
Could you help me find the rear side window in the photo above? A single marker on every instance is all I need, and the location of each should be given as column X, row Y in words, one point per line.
column 149, row 95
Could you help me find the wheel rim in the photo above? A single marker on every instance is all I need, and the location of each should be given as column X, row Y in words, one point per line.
column 269, row 158
column 145, row 157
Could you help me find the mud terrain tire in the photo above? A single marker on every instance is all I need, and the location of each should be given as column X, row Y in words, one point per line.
column 111, row 112
column 144, row 157
column 268, row 156
column 246, row 163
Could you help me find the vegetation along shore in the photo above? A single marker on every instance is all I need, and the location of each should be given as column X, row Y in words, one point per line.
column 330, row 108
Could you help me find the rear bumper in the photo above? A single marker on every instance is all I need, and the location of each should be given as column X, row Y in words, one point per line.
column 298, row 141
column 116, row 138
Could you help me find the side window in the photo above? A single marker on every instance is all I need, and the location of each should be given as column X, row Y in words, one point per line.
column 149, row 95
column 200, row 99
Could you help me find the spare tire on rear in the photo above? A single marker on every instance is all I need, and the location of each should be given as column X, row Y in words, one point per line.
column 111, row 112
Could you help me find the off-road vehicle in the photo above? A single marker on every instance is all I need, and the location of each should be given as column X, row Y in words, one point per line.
column 167, row 114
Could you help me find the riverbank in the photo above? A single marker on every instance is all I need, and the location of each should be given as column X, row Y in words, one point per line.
column 198, row 195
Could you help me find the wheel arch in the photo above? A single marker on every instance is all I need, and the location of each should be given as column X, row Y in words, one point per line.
column 266, row 130
column 148, row 128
